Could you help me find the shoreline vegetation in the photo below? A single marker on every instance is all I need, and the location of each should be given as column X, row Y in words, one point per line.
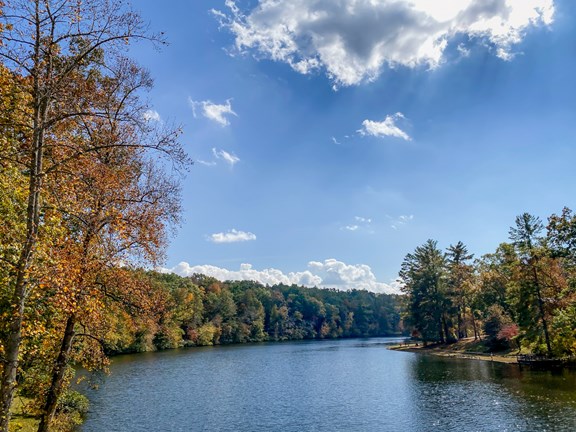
column 468, row 349
column 169, row 311
column 519, row 300
column 90, row 192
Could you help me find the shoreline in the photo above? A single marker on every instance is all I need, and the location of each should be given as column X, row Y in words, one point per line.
column 457, row 350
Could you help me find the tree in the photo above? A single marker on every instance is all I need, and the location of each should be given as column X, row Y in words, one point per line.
column 54, row 45
column 561, row 239
column 459, row 273
column 114, row 205
column 499, row 328
column 423, row 274
column 528, row 241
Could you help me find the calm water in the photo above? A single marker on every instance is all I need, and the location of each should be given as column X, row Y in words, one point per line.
column 345, row 385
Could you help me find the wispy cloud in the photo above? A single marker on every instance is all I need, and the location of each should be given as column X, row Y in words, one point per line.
column 385, row 128
column 213, row 111
column 353, row 41
column 220, row 155
column 330, row 273
column 360, row 223
column 232, row 236
column 206, row 163
column 351, row 227
column 399, row 221
column 363, row 219
column 229, row 158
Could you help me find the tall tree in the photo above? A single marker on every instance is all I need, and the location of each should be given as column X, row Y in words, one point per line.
column 54, row 45
column 459, row 274
column 424, row 277
column 114, row 205
column 527, row 238
column 561, row 239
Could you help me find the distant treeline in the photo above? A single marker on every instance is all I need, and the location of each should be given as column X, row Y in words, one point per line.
column 200, row 310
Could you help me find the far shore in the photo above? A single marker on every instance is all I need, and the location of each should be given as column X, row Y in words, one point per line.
column 463, row 349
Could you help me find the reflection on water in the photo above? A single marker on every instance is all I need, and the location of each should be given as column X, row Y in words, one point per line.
column 346, row 385
column 454, row 394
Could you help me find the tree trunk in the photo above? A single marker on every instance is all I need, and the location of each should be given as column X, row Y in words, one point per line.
column 476, row 334
column 440, row 330
column 445, row 326
column 541, row 310
column 465, row 324
column 13, row 340
column 460, row 323
column 12, row 349
column 58, row 373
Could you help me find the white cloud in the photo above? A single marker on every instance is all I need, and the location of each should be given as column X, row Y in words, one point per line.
column 246, row 272
column 328, row 274
column 397, row 222
column 387, row 127
column 353, row 41
column 360, row 223
column 222, row 155
column 363, row 219
column 151, row 115
column 206, row 163
column 232, row 236
column 342, row 276
column 229, row 158
column 212, row 111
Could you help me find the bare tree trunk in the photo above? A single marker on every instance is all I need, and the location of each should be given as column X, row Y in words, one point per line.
column 58, row 373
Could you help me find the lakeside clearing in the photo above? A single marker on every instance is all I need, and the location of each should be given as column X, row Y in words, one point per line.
column 464, row 348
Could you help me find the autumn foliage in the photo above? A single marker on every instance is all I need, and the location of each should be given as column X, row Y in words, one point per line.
column 86, row 191
column 521, row 297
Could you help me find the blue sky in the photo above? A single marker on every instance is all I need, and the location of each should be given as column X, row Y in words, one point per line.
column 333, row 137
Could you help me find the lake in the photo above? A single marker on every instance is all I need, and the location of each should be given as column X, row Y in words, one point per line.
column 329, row 385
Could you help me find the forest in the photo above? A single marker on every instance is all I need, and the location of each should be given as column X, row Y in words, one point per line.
column 90, row 196
column 522, row 296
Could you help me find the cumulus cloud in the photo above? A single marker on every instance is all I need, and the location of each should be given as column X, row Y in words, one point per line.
column 212, row 111
column 151, row 115
column 385, row 128
column 229, row 158
column 330, row 273
column 342, row 276
column 269, row 276
column 353, row 41
column 232, row 236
